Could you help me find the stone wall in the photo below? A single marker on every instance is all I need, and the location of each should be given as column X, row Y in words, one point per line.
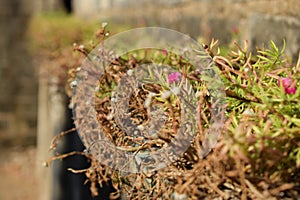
column 18, row 82
column 258, row 21
column 18, row 75
column 47, row 5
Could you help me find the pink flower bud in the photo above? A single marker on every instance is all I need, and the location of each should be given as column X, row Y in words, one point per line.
column 174, row 77
column 287, row 84
column 164, row 52
column 235, row 30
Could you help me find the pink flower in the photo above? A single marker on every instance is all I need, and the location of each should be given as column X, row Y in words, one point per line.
column 287, row 84
column 174, row 77
column 235, row 30
column 164, row 52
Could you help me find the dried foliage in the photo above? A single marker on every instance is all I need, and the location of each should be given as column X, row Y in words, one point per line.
column 258, row 154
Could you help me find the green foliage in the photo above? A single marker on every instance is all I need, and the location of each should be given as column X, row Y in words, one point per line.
column 54, row 31
column 265, row 125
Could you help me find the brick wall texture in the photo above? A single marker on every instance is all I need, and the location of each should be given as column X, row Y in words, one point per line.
column 17, row 75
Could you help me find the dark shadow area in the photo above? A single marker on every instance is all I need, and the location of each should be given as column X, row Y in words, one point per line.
column 68, row 6
column 70, row 186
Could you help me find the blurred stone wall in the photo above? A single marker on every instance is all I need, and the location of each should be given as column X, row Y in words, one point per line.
column 257, row 21
column 18, row 75
column 18, row 82
column 47, row 5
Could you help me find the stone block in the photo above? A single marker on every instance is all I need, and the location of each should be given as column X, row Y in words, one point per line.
column 18, row 85
column 263, row 28
column 7, row 122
